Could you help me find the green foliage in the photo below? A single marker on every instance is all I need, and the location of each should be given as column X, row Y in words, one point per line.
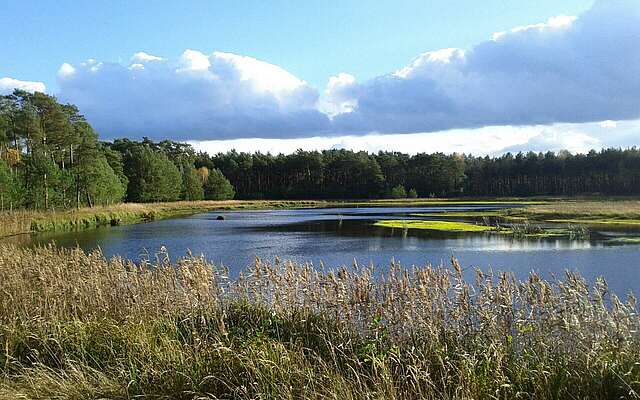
column 10, row 190
column 191, row 183
column 152, row 176
column 41, row 175
column 101, row 184
column 412, row 194
column 218, row 187
column 398, row 192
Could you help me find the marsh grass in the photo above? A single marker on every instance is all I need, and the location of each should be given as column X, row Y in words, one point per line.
column 75, row 325
column 29, row 221
column 581, row 211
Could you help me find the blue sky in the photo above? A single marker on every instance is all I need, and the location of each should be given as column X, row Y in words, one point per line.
column 483, row 77
column 312, row 39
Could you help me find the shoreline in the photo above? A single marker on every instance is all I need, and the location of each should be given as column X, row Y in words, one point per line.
column 578, row 210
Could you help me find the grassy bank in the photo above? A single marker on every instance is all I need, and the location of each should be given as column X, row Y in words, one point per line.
column 25, row 221
column 74, row 325
column 585, row 211
column 571, row 211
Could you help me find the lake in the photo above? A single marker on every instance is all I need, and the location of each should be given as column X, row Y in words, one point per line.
column 338, row 236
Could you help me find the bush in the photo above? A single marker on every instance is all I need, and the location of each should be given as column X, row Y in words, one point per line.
column 398, row 192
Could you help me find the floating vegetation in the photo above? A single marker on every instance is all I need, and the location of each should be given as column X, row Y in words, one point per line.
column 527, row 229
column 462, row 214
column 434, row 225
column 578, row 232
column 519, row 230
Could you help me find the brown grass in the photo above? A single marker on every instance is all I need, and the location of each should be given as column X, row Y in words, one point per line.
column 75, row 325
column 588, row 209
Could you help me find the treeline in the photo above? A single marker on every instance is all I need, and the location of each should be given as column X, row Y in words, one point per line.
column 347, row 174
column 51, row 158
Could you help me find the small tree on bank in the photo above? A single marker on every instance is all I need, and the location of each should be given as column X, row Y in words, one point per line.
column 398, row 192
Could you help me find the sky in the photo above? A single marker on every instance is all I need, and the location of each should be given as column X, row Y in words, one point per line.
column 466, row 76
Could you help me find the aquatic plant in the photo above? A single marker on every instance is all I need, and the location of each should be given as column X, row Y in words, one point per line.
column 76, row 325
column 434, row 225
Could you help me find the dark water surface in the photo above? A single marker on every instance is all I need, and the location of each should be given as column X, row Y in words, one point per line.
column 337, row 236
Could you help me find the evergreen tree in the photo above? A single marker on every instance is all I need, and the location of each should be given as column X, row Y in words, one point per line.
column 218, row 187
column 153, row 177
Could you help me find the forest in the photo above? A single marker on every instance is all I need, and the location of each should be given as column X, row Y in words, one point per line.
column 337, row 174
column 51, row 158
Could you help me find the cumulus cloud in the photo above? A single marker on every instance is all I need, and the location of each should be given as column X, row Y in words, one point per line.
column 8, row 85
column 198, row 96
column 567, row 69
column 142, row 57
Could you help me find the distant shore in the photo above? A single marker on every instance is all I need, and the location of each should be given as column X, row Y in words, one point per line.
column 587, row 211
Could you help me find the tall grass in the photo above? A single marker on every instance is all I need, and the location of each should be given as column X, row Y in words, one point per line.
column 75, row 325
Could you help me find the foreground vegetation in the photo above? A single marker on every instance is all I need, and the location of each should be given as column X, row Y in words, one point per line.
column 75, row 325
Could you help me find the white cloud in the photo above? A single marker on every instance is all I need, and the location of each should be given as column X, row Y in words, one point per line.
column 337, row 99
column 608, row 124
column 141, row 57
column 558, row 22
column 8, row 85
column 220, row 95
column 264, row 77
column 567, row 70
column 65, row 70
column 192, row 60
column 492, row 140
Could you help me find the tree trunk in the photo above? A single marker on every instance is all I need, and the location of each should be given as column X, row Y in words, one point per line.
column 77, row 196
column 46, row 193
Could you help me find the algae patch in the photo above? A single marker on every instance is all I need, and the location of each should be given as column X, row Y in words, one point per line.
column 443, row 226
column 461, row 214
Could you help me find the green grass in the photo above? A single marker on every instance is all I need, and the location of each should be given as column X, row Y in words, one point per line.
column 77, row 326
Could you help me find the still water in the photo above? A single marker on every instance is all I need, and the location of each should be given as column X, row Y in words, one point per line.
column 338, row 236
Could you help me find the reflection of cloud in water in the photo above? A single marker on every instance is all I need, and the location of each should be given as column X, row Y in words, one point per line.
column 501, row 243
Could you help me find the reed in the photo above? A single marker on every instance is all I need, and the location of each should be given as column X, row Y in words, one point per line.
column 76, row 325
